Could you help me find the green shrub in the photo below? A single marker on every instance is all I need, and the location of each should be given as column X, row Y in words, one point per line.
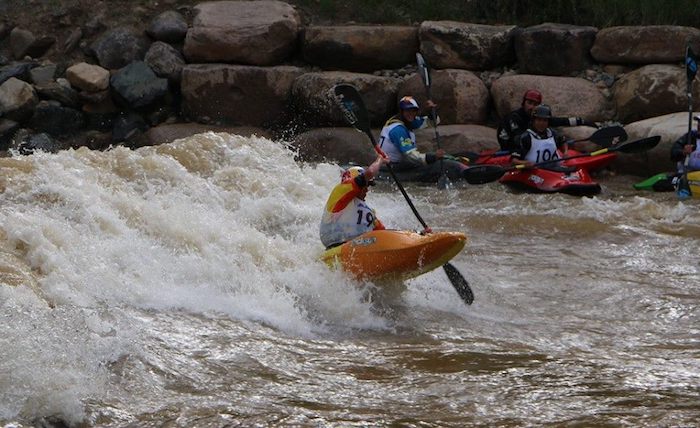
column 598, row 13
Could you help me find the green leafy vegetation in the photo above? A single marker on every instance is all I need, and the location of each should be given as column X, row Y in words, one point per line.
column 598, row 13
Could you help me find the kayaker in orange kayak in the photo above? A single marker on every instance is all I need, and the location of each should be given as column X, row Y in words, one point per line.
column 346, row 214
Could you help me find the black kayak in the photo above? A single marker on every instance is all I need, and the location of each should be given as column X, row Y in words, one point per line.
column 430, row 173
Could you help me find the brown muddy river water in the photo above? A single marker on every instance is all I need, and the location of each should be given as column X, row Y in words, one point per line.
column 178, row 285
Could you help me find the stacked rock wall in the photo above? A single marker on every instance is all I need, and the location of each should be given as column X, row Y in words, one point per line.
column 253, row 63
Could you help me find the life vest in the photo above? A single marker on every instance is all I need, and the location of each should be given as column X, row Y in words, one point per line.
column 342, row 219
column 694, row 160
column 542, row 149
column 395, row 149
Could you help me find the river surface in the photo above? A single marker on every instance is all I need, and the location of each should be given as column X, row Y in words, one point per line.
column 178, row 285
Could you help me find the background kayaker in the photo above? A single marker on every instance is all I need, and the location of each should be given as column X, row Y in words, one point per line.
column 346, row 214
column 539, row 142
column 398, row 141
column 683, row 147
column 518, row 121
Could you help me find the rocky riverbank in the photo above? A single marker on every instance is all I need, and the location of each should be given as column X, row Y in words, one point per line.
column 255, row 67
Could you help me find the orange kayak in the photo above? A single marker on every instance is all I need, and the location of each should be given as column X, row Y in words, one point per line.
column 394, row 254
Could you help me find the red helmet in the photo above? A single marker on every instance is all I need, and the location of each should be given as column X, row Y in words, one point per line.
column 533, row 95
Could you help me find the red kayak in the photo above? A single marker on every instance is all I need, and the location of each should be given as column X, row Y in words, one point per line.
column 571, row 181
column 589, row 163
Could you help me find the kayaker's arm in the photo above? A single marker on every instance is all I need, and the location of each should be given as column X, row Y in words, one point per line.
column 510, row 129
column 373, row 169
column 400, row 137
column 523, row 142
column 421, row 122
column 570, row 121
column 680, row 148
column 562, row 142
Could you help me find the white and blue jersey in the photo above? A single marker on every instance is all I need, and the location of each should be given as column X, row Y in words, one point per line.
column 397, row 140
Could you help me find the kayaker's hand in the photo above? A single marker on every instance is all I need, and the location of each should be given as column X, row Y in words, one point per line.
column 439, row 154
column 584, row 122
column 430, row 104
column 426, row 231
column 687, row 149
column 522, row 164
column 460, row 159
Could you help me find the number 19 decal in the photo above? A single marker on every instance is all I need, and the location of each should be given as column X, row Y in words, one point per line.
column 368, row 217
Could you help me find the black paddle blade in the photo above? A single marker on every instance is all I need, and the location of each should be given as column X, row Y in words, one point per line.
column 609, row 136
column 423, row 69
column 683, row 191
column 637, row 146
column 480, row 174
column 444, row 182
column 350, row 102
column 459, row 283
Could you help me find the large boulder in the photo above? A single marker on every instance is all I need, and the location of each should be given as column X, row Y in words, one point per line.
column 20, row 70
column 165, row 61
column 568, row 96
column 315, row 105
column 27, row 143
column 7, row 131
column 360, row 48
column 24, row 43
column 59, row 90
column 450, row 44
column 458, row 139
column 20, row 40
column 341, row 145
column 129, row 130
column 535, row 46
column 170, row 27
column 461, row 95
column 43, row 74
column 54, row 119
column 644, row 44
column 236, row 94
column 669, row 127
column 653, row 90
column 17, row 99
column 119, row 47
column 138, row 86
column 88, row 77
column 262, row 32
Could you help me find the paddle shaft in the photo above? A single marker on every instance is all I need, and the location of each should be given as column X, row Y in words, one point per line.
column 396, row 180
column 425, row 75
column 602, row 137
column 480, row 174
column 691, row 70
column 460, row 284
